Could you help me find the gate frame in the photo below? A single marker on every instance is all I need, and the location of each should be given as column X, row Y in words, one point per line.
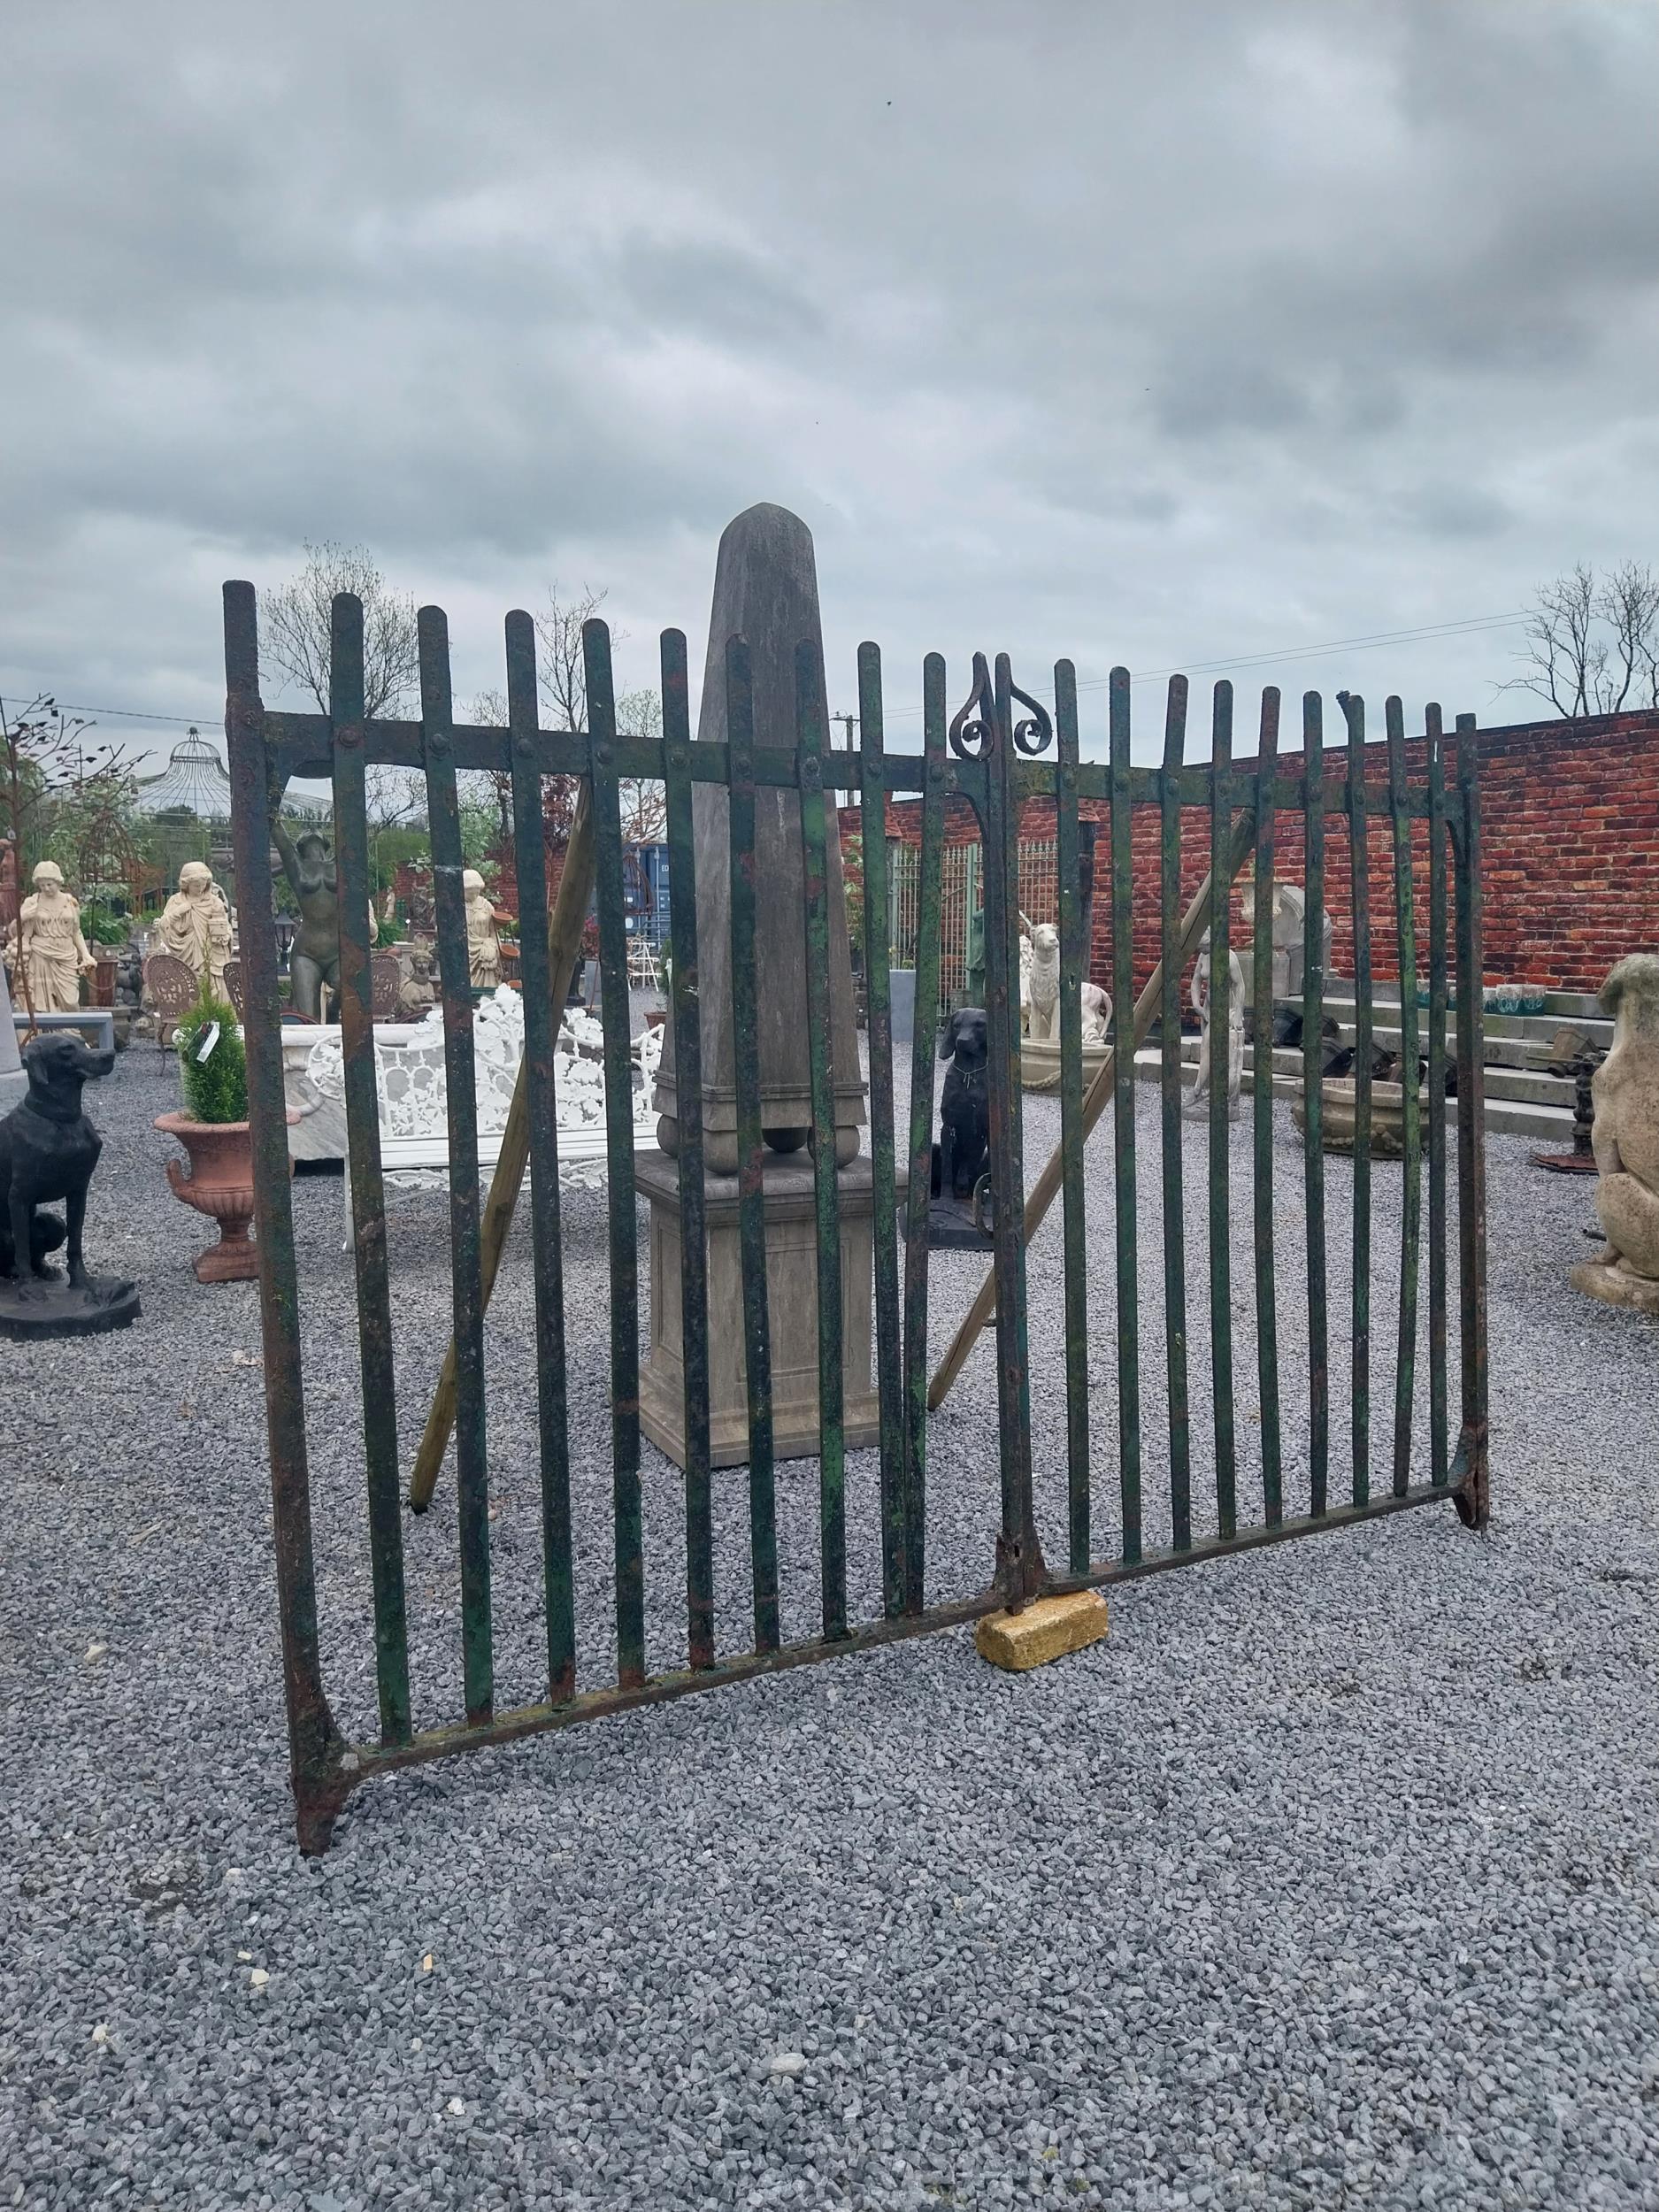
column 990, row 755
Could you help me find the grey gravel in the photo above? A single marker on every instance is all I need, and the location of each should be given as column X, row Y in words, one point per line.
column 1329, row 1880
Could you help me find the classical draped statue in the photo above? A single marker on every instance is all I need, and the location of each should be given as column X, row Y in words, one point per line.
column 51, row 955
column 195, row 924
column 483, row 940
column 1197, row 1103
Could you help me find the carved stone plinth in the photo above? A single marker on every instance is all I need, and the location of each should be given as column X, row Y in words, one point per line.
column 792, row 1296
column 1616, row 1285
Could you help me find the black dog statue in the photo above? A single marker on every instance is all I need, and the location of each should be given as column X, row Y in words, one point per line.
column 965, row 1112
column 48, row 1151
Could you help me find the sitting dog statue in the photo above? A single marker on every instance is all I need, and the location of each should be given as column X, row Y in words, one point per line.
column 1039, row 984
column 964, row 1113
column 48, row 1151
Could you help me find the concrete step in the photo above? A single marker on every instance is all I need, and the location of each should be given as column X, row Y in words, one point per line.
column 1536, row 1108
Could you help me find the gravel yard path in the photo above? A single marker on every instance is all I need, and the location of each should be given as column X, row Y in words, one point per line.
column 1329, row 1880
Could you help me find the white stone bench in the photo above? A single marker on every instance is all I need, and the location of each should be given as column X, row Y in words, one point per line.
column 413, row 1103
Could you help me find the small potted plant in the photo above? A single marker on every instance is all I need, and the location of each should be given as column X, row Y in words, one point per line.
column 213, row 1130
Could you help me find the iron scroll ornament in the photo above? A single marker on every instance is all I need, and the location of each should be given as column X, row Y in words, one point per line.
column 976, row 718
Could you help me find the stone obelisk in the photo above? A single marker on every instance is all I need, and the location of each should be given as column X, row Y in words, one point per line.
column 765, row 591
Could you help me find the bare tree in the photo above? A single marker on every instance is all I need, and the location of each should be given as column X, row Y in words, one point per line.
column 644, row 802
column 297, row 621
column 1592, row 643
column 558, row 629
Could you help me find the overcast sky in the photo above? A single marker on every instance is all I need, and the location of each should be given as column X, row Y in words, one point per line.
column 1170, row 334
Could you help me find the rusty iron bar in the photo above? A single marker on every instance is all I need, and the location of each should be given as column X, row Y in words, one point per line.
column 1313, row 1099
column 1073, row 960
column 316, row 1747
column 1172, row 963
column 872, row 802
column 1123, row 1042
column 628, row 1514
column 1473, row 1504
column 684, row 1011
column 751, row 1149
column 1359, row 895
column 811, row 730
column 460, row 1088
column 1411, row 1116
column 929, row 876
column 1438, row 1388
column 368, row 1191
column 1262, row 1011
column 1221, row 1107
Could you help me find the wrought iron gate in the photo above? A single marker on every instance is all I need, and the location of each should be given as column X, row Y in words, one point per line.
column 992, row 753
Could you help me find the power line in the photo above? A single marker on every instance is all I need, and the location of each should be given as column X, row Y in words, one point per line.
column 1470, row 626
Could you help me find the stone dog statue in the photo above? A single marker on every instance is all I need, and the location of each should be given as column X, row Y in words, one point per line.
column 1039, row 982
column 964, row 1112
column 48, row 1151
column 1625, row 1136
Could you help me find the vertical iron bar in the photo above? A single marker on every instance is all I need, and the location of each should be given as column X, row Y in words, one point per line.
column 437, row 717
column 1359, row 894
column 1471, row 1149
column 541, row 1020
column 1313, row 1098
column 1169, row 1038
column 1439, row 1455
column 313, row 1742
column 1405, row 925
column 811, row 734
column 751, row 1150
column 1221, row 1107
column 1072, row 954
column 1123, row 1117
column 1261, row 1111
column 618, row 1066
column 694, row 1246
column 1020, row 1570
column 873, row 800
column 368, row 1193
column 929, row 882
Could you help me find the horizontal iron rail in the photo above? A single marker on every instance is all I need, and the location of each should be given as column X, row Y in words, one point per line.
column 363, row 1762
column 300, row 745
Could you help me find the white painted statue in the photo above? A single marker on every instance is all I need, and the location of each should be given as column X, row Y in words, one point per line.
column 1038, row 979
column 195, row 924
column 1198, row 1097
column 53, row 954
column 1290, row 913
column 1097, row 1014
column 483, row 940
column 1625, row 1136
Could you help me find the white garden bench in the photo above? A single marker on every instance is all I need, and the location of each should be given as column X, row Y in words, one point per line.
column 413, row 1102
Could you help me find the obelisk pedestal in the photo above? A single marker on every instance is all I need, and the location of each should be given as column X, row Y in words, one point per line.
column 765, row 592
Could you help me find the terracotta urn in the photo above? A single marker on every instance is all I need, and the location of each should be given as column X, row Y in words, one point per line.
column 221, row 1185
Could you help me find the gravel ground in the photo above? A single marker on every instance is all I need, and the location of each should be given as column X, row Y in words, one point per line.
column 1329, row 1880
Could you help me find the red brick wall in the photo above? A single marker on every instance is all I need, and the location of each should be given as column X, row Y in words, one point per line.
column 1569, row 823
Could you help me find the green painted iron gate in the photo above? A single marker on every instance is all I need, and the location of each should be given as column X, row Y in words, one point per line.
column 1001, row 750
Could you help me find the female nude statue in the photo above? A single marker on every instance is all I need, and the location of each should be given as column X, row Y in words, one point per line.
column 308, row 862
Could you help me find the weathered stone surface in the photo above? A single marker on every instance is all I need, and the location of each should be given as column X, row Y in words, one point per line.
column 792, row 1298
column 1388, row 1117
column 1625, row 1136
column 765, row 591
column 1616, row 1285
column 1046, row 1630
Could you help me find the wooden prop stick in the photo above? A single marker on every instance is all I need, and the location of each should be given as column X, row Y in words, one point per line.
column 1094, row 1103
column 565, row 941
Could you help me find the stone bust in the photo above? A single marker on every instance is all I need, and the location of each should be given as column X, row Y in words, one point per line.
column 1625, row 1136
